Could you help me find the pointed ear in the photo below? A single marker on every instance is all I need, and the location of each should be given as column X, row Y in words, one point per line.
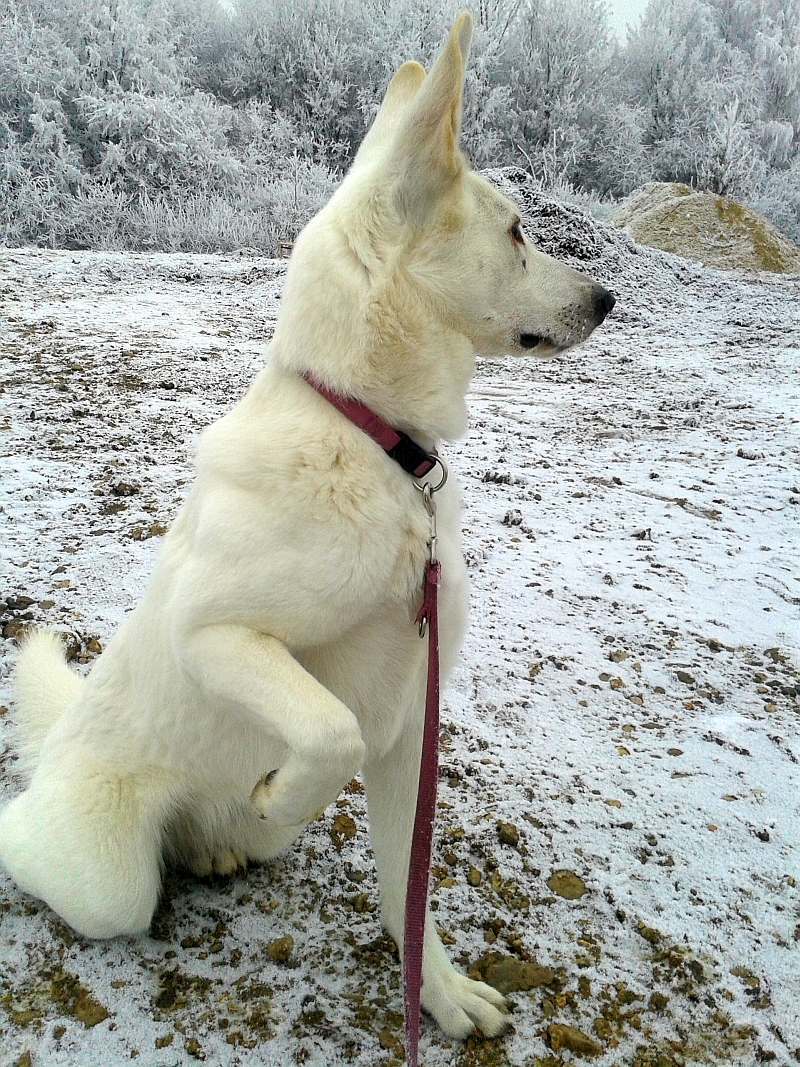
column 426, row 156
column 401, row 90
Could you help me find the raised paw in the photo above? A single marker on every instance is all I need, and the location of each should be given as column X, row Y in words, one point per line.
column 461, row 1005
column 270, row 801
column 295, row 795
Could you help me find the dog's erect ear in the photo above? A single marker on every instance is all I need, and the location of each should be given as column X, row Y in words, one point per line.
column 401, row 90
column 425, row 157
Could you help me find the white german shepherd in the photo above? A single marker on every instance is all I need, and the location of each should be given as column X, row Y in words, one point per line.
column 278, row 629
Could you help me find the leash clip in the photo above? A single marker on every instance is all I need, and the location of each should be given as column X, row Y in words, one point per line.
column 427, row 491
column 437, row 459
column 430, row 506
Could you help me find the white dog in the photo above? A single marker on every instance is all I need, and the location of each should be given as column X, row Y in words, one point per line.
column 278, row 629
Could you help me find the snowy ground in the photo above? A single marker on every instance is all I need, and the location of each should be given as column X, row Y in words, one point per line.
column 627, row 700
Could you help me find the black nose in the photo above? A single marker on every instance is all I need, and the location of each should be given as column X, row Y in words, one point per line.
column 604, row 301
column 530, row 340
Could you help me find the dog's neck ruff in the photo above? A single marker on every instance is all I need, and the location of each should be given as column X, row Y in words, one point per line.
column 414, row 459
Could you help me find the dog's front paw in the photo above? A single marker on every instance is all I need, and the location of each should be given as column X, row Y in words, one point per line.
column 460, row 1005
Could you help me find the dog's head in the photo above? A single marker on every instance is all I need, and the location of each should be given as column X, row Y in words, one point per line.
column 459, row 239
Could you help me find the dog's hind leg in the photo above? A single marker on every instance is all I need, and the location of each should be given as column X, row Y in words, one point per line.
column 87, row 841
column 458, row 1003
column 258, row 674
column 209, row 839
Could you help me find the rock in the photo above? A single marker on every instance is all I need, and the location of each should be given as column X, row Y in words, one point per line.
column 195, row 1049
column 498, row 477
column 752, row 981
column 343, row 829
column 76, row 1000
column 362, row 904
column 124, row 489
column 649, row 933
column 559, row 1036
column 512, row 518
column 567, row 884
column 658, row 1001
column 353, row 874
column 113, row 507
column 776, row 655
column 19, row 603
column 389, row 1041
column 15, row 629
column 685, row 677
column 507, row 974
column 508, row 834
column 280, row 951
column 474, row 876
column 144, row 533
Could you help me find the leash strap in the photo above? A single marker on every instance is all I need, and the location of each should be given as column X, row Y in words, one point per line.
column 421, row 843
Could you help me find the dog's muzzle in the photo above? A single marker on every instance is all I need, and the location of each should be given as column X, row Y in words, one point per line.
column 604, row 302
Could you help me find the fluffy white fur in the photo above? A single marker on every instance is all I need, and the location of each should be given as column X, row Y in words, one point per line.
column 277, row 630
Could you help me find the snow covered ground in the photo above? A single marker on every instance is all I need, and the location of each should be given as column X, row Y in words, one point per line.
column 626, row 706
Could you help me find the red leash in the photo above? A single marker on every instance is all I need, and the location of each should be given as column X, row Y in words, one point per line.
column 417, row 462
column 421, row 843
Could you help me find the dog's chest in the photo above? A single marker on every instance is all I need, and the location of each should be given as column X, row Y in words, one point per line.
column 420, row 532
column 377, row 665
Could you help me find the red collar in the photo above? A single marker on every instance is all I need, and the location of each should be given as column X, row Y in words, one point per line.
column 403, row 450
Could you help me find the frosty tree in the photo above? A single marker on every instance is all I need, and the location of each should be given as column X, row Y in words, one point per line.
column 196, row 124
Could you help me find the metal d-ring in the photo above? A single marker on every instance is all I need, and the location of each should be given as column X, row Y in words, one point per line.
column 422, row 486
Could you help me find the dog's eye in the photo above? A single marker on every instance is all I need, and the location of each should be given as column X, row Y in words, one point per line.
column 517, row 234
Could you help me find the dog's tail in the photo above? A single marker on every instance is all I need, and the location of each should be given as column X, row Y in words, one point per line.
column 45, row 687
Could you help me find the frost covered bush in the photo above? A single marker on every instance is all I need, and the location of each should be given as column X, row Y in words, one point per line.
column 198, row 123
column 255, row 213
column 779, row 200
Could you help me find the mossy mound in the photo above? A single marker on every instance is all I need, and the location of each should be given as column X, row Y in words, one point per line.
column 705, row 227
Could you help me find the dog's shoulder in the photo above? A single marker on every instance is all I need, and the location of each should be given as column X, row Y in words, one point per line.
column 297, row 516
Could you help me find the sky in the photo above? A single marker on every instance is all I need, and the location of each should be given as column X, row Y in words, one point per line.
column 622, row 12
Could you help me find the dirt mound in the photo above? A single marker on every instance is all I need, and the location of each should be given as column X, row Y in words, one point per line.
column 642, row 277
column 567, row 232
column 705, row 227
